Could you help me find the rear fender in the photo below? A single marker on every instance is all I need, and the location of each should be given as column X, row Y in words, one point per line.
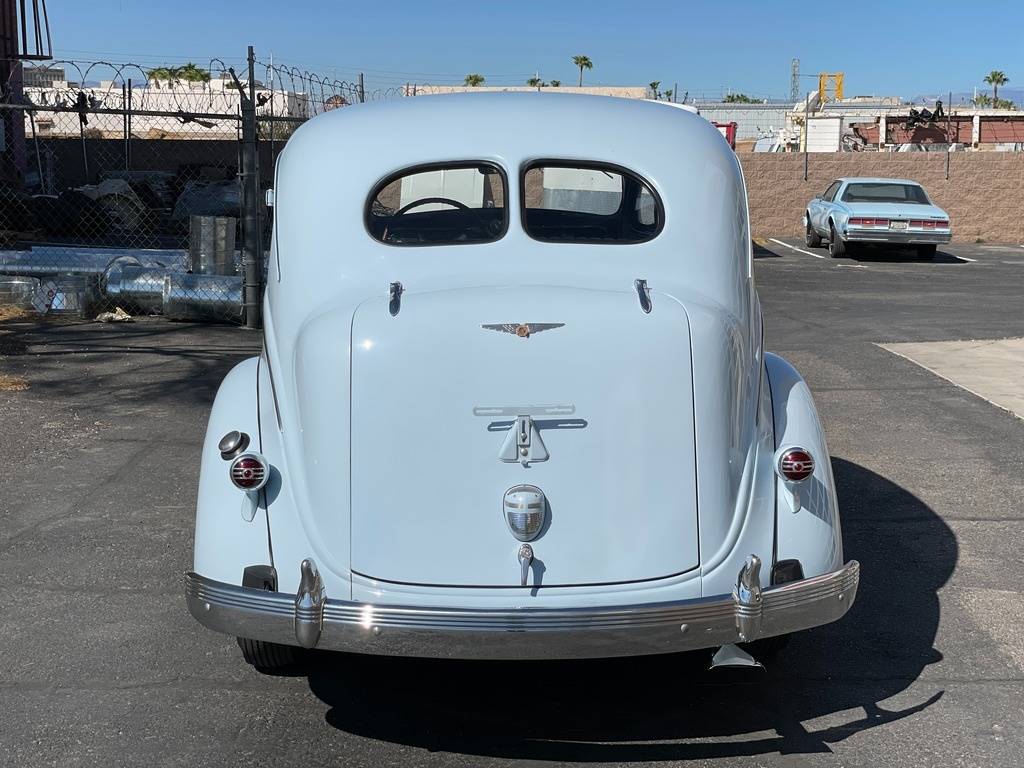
column 228, row 535
column 811, row 533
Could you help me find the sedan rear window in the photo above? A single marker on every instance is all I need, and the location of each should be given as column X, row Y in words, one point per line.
column 589, row 203
column 885, row 193
column 446, row 204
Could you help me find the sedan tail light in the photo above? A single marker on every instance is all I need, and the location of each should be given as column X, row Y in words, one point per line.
column 795, row 465
column 861, row 221
column 249, row 471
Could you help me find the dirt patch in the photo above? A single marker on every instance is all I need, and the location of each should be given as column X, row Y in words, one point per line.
column 10, row 383
column 14, row 313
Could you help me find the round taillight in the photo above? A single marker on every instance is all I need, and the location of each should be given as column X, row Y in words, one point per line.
column 796, row 464
column 249, row 472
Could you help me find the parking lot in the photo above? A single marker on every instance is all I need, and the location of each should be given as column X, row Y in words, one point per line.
column 102, row 665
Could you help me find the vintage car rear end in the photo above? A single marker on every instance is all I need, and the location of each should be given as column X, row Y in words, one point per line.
column 876, row 211
column 514, row 401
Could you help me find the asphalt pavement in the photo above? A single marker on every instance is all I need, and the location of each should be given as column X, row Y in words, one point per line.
column 100, row 663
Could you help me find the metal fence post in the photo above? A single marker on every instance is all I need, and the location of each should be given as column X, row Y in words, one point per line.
column 252, row 252
column 362, row 89
column 807, row 134
column 128, row 123
column 949, row 143
column 124, row 121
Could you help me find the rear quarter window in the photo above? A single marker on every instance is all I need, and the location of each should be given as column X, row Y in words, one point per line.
column 441, row 204
column 589, row 203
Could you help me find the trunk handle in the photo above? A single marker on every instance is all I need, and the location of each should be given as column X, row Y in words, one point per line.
column 644, row 293
column 395, row 291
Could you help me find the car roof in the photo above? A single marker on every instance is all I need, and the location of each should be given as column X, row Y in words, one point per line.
column 878, row 180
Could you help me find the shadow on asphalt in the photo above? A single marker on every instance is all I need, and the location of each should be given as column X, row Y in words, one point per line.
column 131, row 363
column 669, row 707
column 873, row 253
column 760, row 252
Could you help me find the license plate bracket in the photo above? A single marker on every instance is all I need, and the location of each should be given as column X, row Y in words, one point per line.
column 898, row 225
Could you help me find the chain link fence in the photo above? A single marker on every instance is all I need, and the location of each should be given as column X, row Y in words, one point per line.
column 134, row 191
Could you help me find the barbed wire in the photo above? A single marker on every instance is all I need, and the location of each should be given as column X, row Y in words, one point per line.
column 321, row 93
column 106, row 83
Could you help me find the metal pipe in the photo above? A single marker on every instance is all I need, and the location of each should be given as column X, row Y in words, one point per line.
column 76, row 262
column 253, row 250
column 137, row 286
column 202, row 297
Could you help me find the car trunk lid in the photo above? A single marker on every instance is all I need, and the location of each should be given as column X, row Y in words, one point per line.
column 436, row 390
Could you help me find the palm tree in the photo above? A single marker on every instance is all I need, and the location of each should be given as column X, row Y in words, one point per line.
column 556, row 83
column 995, row 78
column 982, row 100
column 193, row 73
column 654, row 85
column 473, row 80
column 535, row 82
column 583, row 62
column 189, row 72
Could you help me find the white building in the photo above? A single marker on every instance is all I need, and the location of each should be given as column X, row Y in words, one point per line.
column 178, row 101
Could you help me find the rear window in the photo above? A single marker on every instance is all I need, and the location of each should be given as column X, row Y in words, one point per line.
column 885, row 193
column 589, row 203
column 445, row 204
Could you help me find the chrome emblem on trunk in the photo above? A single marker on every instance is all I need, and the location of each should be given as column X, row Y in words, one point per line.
column 522, row 330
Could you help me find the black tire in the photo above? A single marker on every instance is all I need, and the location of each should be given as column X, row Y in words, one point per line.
column 836, row 246
column 811, row 237
column 767, row 647
column 926, row 252
column 268, row 657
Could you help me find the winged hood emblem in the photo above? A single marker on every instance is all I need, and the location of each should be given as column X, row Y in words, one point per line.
column 522, row 330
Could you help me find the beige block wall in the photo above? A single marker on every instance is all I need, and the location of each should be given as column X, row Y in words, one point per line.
column 984, row 194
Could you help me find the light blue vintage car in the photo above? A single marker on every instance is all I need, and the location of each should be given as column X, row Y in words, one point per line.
column 514, row 401
column 877, row 211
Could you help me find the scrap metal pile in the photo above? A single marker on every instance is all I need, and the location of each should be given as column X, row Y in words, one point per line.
column 97, row 247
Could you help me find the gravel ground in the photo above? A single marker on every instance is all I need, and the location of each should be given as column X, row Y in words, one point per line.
column 101, row 665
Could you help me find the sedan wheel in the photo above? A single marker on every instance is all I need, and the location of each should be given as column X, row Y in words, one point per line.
column 836, row 246
column 811, row 237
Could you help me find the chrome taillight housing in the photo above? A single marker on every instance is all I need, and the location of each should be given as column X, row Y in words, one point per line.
column 249, row 472
column 795, row 464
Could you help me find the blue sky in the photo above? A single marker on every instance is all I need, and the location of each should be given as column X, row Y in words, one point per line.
column 884, row 48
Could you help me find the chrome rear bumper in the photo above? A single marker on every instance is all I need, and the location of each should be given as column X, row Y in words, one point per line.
column 898, row 237
column 311, row 619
